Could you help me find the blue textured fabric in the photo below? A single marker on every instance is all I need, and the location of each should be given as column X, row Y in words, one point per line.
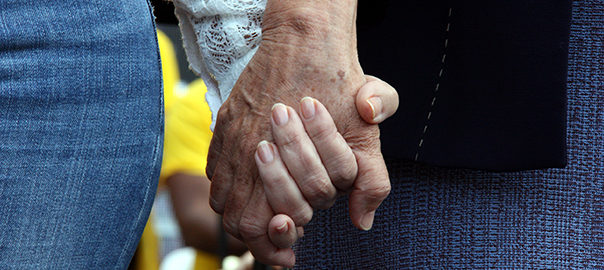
column 81, row 126
column 439, row 218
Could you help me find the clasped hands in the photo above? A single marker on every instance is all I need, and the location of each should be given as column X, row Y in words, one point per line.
column 304, row 168
column 267, row 191
column 309, row 162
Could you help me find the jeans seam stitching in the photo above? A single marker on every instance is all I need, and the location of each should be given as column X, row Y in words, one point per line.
column 156, row 149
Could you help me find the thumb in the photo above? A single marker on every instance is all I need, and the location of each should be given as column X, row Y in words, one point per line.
column 376, row 100
column 371, row 187
column 282, row 231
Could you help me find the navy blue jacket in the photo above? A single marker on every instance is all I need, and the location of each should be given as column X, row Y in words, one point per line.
column 482, row 83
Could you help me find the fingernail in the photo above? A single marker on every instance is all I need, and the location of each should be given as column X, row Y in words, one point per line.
column 265, row 152
column 367, row 221
column 375, row 103
column 282, row 228
column 308, row 107
column 280, row 115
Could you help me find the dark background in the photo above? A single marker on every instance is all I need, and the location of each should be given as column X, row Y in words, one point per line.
column 167, row 23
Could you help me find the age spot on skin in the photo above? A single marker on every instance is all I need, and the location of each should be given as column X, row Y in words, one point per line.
column 341, row 73
column 333, row 79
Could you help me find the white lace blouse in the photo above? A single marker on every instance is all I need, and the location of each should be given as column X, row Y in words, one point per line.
column 220, row 37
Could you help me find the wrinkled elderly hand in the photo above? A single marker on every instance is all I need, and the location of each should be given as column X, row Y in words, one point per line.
column 305, row 51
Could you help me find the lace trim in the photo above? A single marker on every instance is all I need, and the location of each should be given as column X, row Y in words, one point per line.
column 220, row 37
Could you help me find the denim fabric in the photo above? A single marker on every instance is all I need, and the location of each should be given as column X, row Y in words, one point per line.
column 438, row 218
column 81, row 129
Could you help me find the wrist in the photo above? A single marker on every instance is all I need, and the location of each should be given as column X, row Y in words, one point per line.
column 310, row 20
column 310, row 34
column 306, row 51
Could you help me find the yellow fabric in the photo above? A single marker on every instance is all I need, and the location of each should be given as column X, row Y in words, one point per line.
column 186, row 143
column 147, row 254
column 205, row 261
column 169, row 65
column 187, row 134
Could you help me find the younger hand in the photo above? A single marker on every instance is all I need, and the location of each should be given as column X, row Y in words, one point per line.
column 307, row 147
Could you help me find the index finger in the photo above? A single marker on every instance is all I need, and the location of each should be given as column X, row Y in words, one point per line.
column 371, row 187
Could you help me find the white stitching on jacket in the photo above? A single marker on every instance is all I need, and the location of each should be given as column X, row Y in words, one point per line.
column 440, row 74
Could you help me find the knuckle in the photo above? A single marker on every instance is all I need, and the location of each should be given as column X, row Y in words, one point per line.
column 273, row 182
column 302, row 216
column 320, row 193
column 213, row 158
column 270, row 179
column 209, row 173
column 216, row 206
column 326, row 204
column 250, row 229
column 348, row 171
column 213, row 152
column 366, row 139
column 222, row 115
column 343, row 169
column 378, row 192
column 310, row 160
column 263, row 256
column 230, row 227
column 290, row 139
column 323, row 132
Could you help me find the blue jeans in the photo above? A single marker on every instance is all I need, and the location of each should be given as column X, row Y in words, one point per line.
column 81, row 130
